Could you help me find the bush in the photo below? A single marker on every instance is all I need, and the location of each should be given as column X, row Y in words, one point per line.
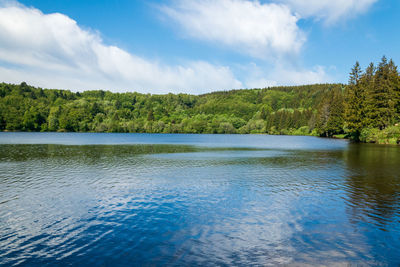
column 390, row 135
column 393, row 132
column 305, row 130
column 369, row 135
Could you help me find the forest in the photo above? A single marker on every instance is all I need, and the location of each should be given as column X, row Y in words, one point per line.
column 367, row 109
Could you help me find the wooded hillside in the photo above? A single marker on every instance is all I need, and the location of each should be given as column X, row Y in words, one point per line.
column 368, row 105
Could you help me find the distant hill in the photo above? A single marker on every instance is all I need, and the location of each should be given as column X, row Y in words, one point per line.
column 363, row 110
column 275, row 110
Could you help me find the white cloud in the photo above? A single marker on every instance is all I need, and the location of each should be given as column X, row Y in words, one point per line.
column 261, row 30
column 329, row 10
column 51, row 50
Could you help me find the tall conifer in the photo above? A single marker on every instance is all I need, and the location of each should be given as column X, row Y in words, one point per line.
column 379, row 103
column 330, row 120
column 394, row 80
column 354, row 107
column 366, row 84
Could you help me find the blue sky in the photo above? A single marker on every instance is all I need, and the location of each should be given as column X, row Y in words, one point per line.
column 192, row 46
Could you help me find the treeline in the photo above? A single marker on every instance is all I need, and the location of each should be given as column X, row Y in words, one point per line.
column 278, row 110
column 369, row 104
column 372, row 110
column 368, row 110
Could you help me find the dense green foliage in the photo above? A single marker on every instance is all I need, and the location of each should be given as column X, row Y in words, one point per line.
column 372, row 101
column 278, row 110
column 369, row 102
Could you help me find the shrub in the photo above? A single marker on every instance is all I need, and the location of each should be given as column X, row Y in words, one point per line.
column 369, row 135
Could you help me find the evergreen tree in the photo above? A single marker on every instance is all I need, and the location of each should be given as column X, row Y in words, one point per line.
column 354, row 107
column 323, row 117
column 331, row 115
column 366, row 85
column 394, row 80
column 336, row 118
column 379, row 104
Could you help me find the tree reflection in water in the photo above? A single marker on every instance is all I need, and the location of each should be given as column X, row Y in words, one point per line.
column 373, row 184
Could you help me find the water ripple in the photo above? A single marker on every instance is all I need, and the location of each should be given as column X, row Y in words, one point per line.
column 187, row 205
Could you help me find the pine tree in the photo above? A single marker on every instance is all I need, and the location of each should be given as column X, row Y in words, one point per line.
column 379, row 103
column 323, row 117
column 336, row 118
column 331, row 115
column 354, row 98
column 296, row 119
column 394, row 80
column 366, row 83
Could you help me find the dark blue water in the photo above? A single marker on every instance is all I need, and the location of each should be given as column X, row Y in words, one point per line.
column 142, row 199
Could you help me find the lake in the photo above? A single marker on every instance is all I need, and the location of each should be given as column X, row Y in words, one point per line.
column 196, row 200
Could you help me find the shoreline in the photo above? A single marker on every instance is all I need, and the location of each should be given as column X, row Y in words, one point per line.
column 337, row 137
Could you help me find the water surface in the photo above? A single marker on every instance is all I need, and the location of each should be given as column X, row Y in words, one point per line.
column 143, row 199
